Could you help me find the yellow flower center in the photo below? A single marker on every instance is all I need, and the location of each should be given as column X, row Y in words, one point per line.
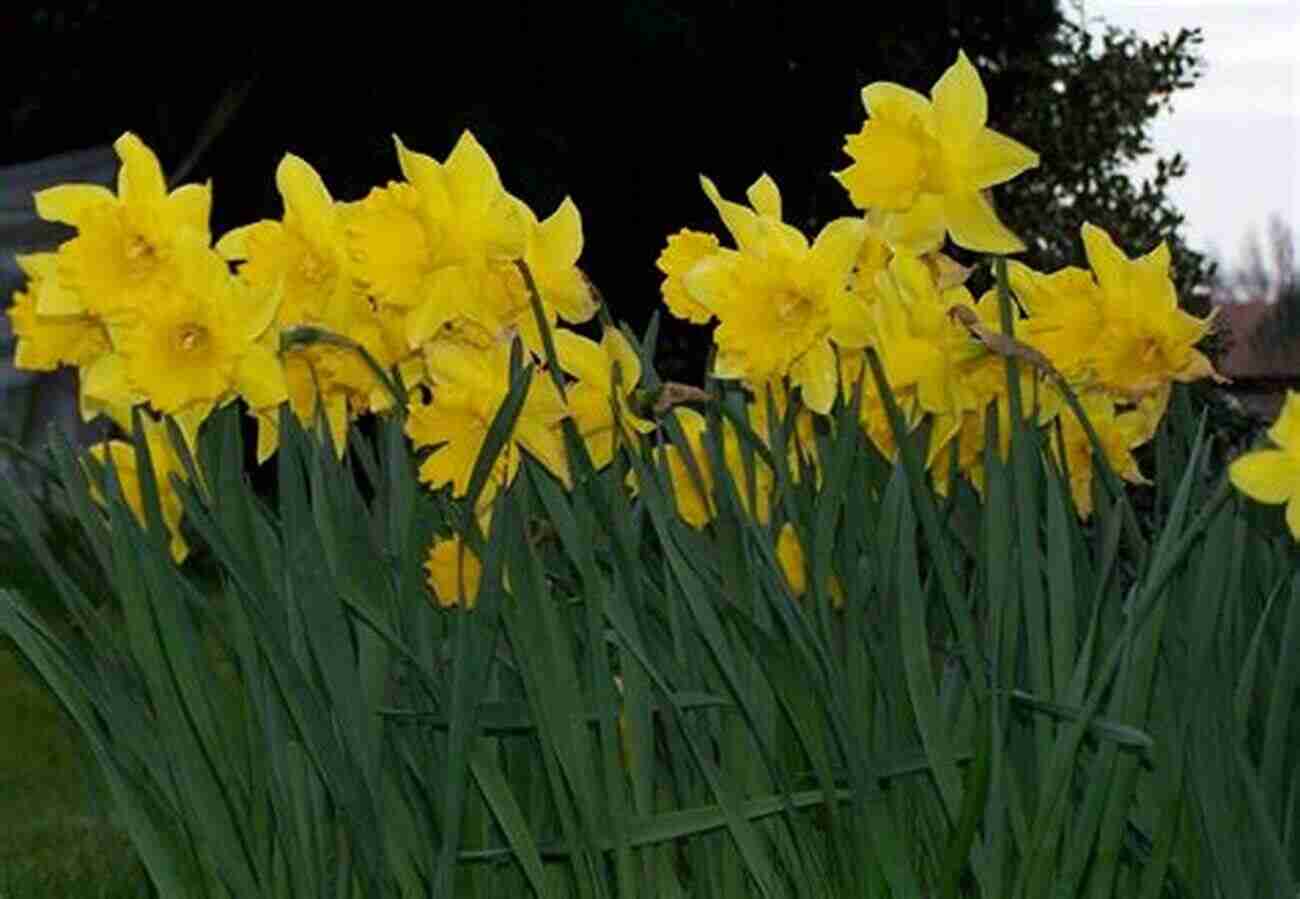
column 793, row 310
column 315, row 270
column 192, row 338
column 141, row 257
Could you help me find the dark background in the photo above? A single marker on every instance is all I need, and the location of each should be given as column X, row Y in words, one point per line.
column 620, row 105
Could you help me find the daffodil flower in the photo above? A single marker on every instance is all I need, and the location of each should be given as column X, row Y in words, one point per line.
column 196, row 342
column 469, row 386
column 454, row 573
column 922, row 166
column 124, row 242
column 590, row 399
column 1272, row 476
column 780, row 302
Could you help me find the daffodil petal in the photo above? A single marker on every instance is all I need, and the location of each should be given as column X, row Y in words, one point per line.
column 426, row 175
column 305, row 195
column 1107, row 261
column 140, row 181
column 790, row 555
column 582, row 357
column 817, row 376
column 741, row 222
column 996, row 158
column 68, row 203
column 471, row 174
column 975, row 226
column 1266, row 476
column 885, row 99
column 961, row 105
column 765, row 197
column 259, row 377
column 1285, row 432
column 833, row 255
column 191, row 205
column 1293, row 517
column 917, row 231
column 620, row 350
column 559, row 235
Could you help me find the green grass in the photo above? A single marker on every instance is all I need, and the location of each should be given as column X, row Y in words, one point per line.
column 52, row 842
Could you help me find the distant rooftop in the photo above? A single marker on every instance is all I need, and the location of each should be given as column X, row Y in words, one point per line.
column 1258, row 349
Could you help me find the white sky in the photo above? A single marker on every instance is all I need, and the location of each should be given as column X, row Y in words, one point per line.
column 1239, row 128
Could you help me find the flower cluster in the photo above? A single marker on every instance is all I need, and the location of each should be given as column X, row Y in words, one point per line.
column 804, row 314
column 438, row 278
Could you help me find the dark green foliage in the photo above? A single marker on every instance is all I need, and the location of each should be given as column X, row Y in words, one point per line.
column 1087, row 105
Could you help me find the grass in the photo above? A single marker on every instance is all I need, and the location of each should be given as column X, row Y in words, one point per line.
column 53, row 843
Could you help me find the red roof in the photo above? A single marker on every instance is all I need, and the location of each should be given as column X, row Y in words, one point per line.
column 1257, row 349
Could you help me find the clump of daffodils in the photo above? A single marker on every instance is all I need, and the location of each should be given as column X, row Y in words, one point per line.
column 442, row 277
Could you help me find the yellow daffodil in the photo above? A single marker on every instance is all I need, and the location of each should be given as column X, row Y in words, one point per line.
column 971, row 432
column 590, row 399
column 303, row 256
column 455, row 573
column 696, row 506
column 1066, row 316
column 780, row 302
column 124, row 242
column 165, row 464
column 684, row 249
column 1272, row 476
column 920, row 344
column 554, row 245
column 197, row 342
column 922, row 166
column 794, row 565
column 802, row 441
column 469, row 385
column 872, row 414
column 1119, row 434
column 444, row 246
column 318, row 375
column 1117, row 328
column 46, row 341
column 473, row 229
column 393, row 243
column 1147, row 340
